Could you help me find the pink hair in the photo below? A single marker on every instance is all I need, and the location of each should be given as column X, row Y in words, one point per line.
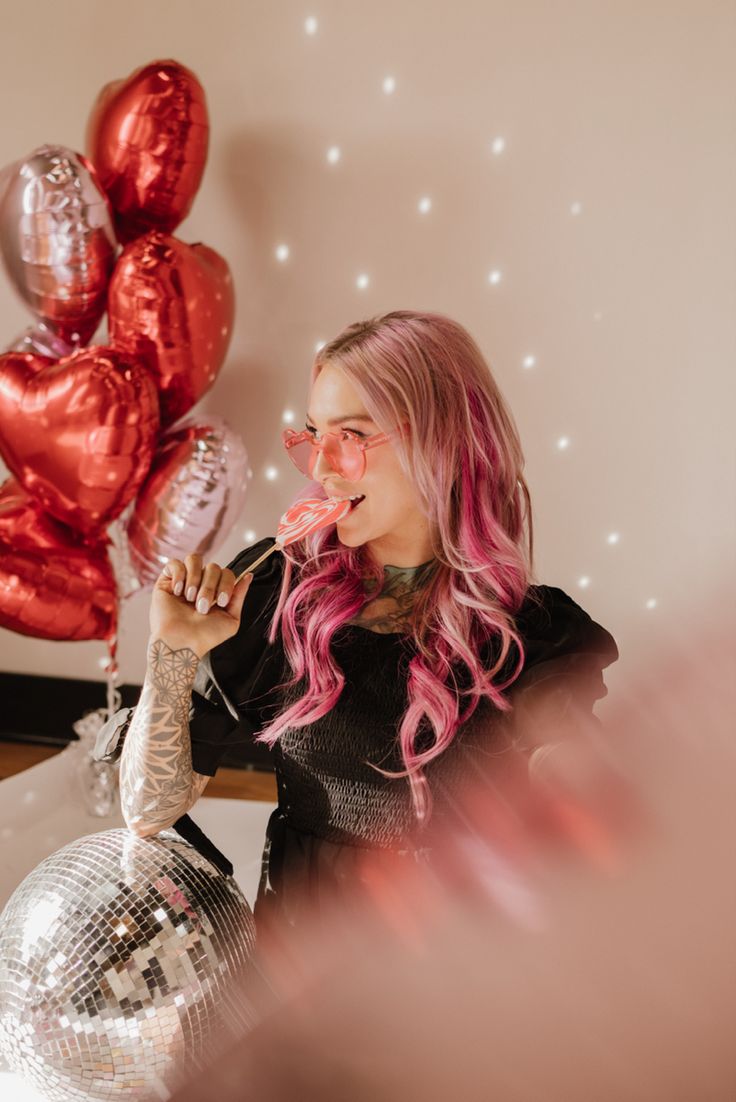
column 464, row 456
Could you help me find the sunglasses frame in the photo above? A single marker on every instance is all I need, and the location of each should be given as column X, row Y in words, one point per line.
column 291, row 438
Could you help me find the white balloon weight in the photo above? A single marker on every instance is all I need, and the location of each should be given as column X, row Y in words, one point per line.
column 123, row 968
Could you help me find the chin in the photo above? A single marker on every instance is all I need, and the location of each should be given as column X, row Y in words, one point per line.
column 351, row 541
column 352, row 530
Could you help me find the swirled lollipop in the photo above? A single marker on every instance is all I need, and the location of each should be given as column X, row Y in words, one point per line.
column 302, row 518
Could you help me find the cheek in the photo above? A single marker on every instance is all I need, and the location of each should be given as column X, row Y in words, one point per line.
column 386, row 506
column 385, row 474
column 387, row 488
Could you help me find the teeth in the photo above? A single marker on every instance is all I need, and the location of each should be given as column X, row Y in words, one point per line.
column 353, row 497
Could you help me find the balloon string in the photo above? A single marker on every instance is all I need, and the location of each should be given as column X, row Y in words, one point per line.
column 112, row 669
column 112, row 676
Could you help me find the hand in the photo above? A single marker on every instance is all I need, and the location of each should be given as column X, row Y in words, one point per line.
column 180, row 587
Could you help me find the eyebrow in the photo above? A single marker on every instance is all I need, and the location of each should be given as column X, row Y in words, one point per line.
column 349, row 417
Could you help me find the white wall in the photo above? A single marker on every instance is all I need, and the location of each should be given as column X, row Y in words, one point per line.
column 627, row 305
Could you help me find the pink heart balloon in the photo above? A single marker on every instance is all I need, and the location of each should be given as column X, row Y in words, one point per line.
column 79, row 433
column 192, row 495
column 53, row 583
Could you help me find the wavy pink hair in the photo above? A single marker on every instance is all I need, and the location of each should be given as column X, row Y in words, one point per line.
column 464, row 456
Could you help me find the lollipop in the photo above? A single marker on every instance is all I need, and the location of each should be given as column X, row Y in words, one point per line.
column 302, row 518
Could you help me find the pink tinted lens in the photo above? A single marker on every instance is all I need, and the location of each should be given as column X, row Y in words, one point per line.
column 344, row 456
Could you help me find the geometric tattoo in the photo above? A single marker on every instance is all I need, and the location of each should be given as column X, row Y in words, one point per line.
column 157, row 785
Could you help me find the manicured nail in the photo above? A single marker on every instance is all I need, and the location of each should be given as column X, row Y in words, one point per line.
column 191, row 592
column 178, row 588
column 222, row 599
column 202, row 604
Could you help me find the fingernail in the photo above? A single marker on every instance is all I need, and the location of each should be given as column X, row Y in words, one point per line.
column 222, row 599
column 202, row 604
column 178, row 588
column 191, row 592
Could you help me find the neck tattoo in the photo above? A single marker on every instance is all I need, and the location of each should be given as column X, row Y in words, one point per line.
column 406, row 575
column 401, row 582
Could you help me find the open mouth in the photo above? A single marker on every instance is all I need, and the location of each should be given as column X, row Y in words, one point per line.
column 353, row 504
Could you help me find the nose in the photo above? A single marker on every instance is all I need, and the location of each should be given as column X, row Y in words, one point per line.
column 321, row 461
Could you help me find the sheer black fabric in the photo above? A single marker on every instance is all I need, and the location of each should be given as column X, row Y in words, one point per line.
column 233, row 696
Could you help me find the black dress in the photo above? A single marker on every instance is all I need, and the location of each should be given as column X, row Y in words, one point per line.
column 332, row 805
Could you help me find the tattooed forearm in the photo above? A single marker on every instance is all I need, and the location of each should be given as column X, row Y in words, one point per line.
column 156, row 780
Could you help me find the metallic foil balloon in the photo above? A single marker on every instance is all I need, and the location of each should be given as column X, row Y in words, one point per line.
column 147, row 137
column 119, row 960
column 53, row 583
column 57, row 240
column 171, row 306
column 78, row 434
column 193, row 494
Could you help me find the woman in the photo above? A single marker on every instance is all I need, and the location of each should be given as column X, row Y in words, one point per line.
column 383, row 657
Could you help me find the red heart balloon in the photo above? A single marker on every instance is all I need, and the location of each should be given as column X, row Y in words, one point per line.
column 53, row 583
column 79, row 434
column 147, row 136
column 171, row 307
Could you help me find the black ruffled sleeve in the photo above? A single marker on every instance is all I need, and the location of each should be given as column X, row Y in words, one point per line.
column 233, row 694
column 566, row 653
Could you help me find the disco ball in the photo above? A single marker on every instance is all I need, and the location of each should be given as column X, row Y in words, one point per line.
column 123, row 966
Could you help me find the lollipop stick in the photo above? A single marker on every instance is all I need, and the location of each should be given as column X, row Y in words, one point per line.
column 259, row 560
